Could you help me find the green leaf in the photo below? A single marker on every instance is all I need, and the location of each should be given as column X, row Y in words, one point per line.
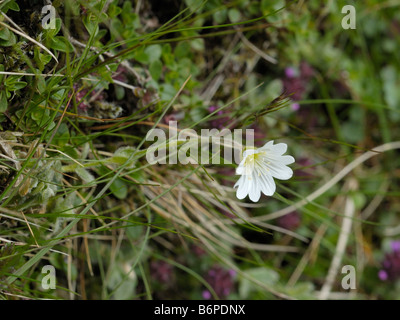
column 12, row 81
column 61, row 44
column 3, row 102
column 359, row 199
column 7, row 38
column 37, row 56
column 182, row 50
column 141, row 56
column 391, row 82
column 168, row 56
column 194, row 5
column 84, row 175
column 153, row 52
column 268, row 6
column 156, row 69
column 1, row 75
column 122, row 285
column 12, row 5
column 197, row 44
column 301, row 291
column 220, row 16
column 353, row 130
column 41, row 84
column 91, row 24
column 119, row 92
column 234, row 15
column 51, row 33
column 264, row 275
column 105, row 73
column 167, row 92
column 122, row 155
column 4, row 33
column 62, row 136
column 119, row 189
column 100, row 34
column 18, row 86
column 37, row 114
column 114, row 11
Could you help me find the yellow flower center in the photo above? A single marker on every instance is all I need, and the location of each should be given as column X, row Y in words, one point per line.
column 253, row 158
column 251, row 162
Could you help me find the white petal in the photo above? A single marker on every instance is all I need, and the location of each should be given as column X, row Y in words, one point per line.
column 240, row 168
column 286, row 160
column 267, row 146
column 280, row 171
column 243, row 189
column 267, row 184
column 254, row 192
column 279, row 149
column 255, row 195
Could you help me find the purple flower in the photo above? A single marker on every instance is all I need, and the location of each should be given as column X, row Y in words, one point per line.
column 175, row 116
column 391, row 263
column 79, row 95
column 295, row 87
column 161, row 271
column 82, row 97
column 198, row 251
column 206, row 295
column 232, row 273
column 295, row 106
column 221, row 280
column 221, row 120
column 296, row 83
column 290, row 72
column 395, row 245
column 382, row 274
column 120, row 74
column 211, row 109
column 290, row 221
column 306, row 71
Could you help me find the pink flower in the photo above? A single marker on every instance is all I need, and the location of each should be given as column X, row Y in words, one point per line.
column 206, row 295
column 382, row 274
column 296, row 82
column 222, row 120
column 295, row 106
column 391, row 263
column 221, row 280
column 290, row 221
column 290, row 72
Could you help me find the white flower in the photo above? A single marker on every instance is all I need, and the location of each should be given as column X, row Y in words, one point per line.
column 258, row 169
